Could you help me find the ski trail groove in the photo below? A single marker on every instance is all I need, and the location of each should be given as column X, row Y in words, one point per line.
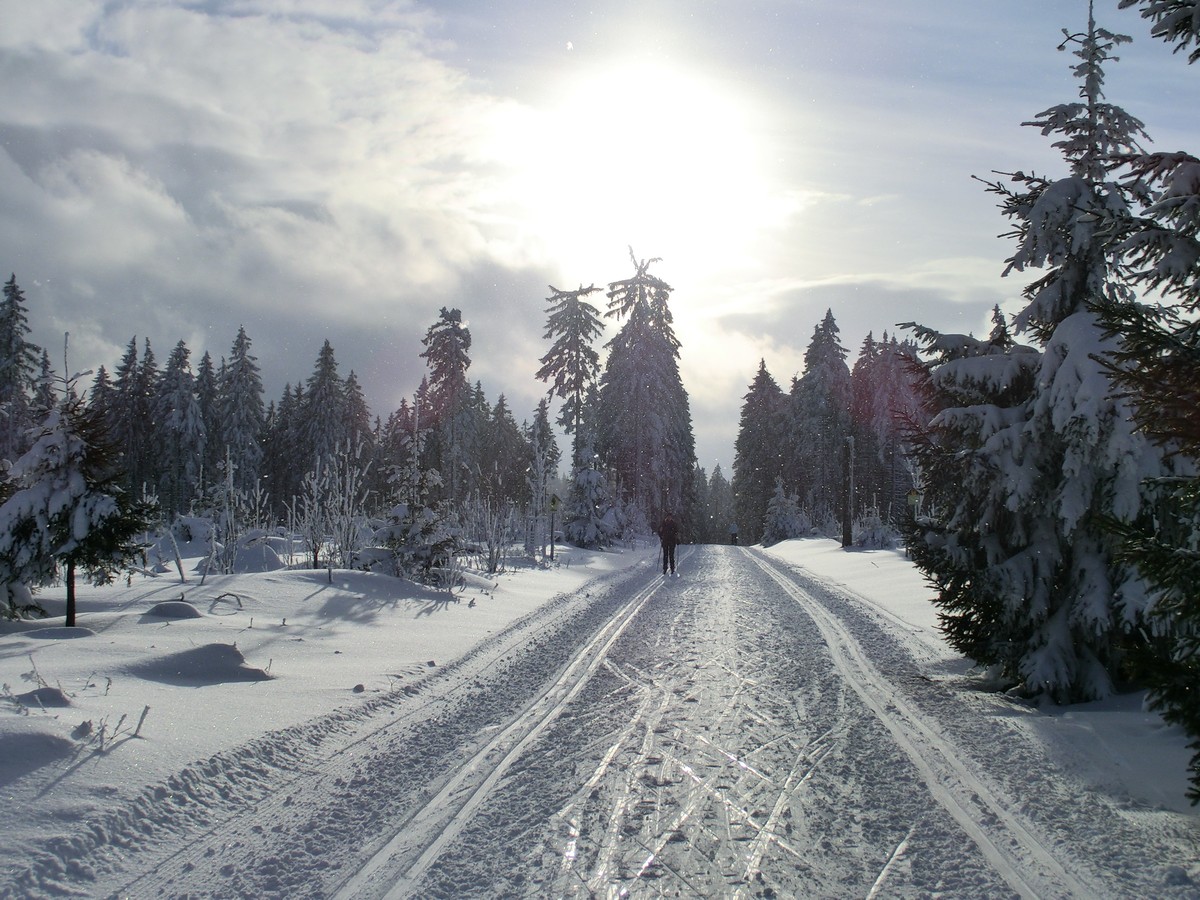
column 1015, row 850
column 461, row 795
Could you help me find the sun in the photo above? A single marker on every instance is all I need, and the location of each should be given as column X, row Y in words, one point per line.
column 659, row 157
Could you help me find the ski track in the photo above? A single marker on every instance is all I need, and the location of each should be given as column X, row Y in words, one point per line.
column 742, row 731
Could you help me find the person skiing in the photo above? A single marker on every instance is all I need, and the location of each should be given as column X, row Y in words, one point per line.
column 668, row 533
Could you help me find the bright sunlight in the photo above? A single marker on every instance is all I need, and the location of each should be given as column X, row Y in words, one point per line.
column 637, row 153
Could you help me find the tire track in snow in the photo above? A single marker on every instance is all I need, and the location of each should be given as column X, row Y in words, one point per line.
column 1014, row 850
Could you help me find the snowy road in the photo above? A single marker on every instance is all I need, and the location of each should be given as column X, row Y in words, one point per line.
column 739, row 731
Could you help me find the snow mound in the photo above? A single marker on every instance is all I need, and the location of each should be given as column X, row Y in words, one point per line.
column 257, row 556
column 44, row 697
column 207, row 664
column 23, row 752
column 59, row 633
column 174, row 609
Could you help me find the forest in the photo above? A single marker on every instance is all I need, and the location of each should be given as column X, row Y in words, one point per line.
column 1043, row 477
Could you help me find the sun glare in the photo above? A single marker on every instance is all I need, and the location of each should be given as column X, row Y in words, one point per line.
column 660, row 158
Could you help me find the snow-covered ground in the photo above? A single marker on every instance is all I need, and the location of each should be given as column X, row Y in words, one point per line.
column 778, row 722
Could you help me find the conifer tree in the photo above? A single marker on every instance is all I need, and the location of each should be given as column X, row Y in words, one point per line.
column 1156, row 368
column 450, row 403
column 18, row 371
column 504, row 457
column 239, row 405
column 357, row 425
column 66, row 511
column 181, row 437
column 1038, row 587
column 644, row 429
column 721, row 515
column 819, row 423
column 207, row 388
column 572, row 364
column 758, row 453
column 322, row 421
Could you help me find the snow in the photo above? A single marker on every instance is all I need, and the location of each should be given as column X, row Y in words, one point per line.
column 1124, row 747
column 165, row 677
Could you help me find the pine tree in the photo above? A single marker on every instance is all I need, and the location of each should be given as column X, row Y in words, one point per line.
column 181, row 437
column 18, row 371
column 357, row 425
column 66, row 510
column 504, row 457
column 208, row 380
column 784, row 519
column 322, row 422
column 591, row 518
column 1156, row 368
column 239, row 405
column 450, row 400
column 721, row 515
column 572, row 365
column 1036, row 559
column 758, row 453
column 818, row 424
column 644, row 429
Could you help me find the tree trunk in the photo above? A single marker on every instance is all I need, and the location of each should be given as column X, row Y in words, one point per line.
column 70, row 594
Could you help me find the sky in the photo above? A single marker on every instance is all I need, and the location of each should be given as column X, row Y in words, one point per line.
column 343, row 169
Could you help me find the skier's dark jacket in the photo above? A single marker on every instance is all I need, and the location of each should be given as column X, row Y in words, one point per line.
column 668, row 532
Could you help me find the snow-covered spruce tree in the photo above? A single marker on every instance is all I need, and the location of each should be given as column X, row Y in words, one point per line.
column 1156, row 367
column 818, row 423
column 357, row 426
column 66, row 511
column 758, row 453
column 181, row 437
column 721, row 515
column 1047, row 576
column 572, row 364
column 131, row 416
column 207, row 390
column 644, row 427
column 281, row 447
column 239, row 406
column 541, row 476
column 418, row 529
column 44, row 398
column 590, row 518
column 979, row 392
column 447, row 345
column 322, row 418
column 784, row 519
column 883, row 397
column 503, row 458
column 18, row 371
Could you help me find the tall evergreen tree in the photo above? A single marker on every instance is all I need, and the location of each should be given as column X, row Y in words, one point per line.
column 644, row 421
column 66, row 511
column 721, row 515
column 450, row 401
column 181, row 436
column 358, row 428
column 239, row 406
column 322, row 420
column 572, row 365
column 18, row 371
column 1156, row 368
column 207, row 389
column 819, row 424
column 1049, row 577
column 758, row 453
column 504, row 457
